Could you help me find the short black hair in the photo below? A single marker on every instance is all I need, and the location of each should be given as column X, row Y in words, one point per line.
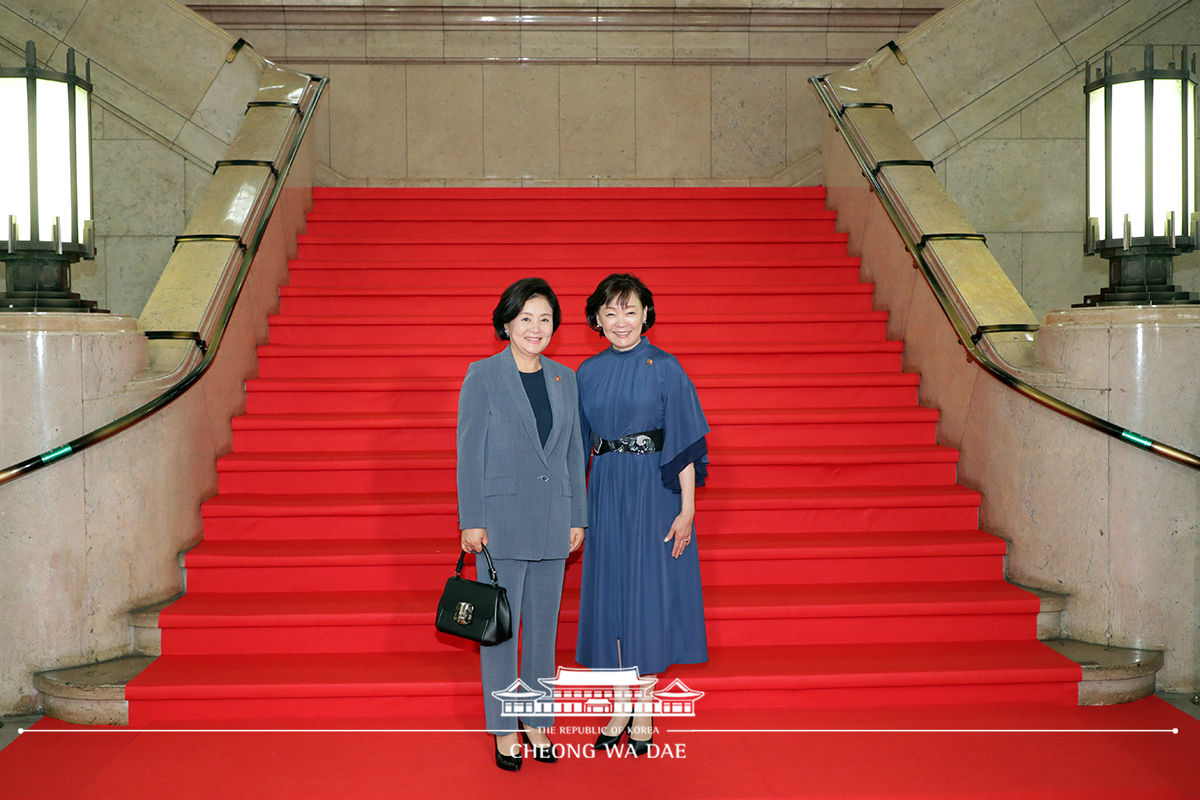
column 514, row 299
column 619, row 287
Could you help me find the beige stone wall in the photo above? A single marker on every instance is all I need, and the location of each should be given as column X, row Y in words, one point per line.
column 88, row 538
column 1003, row 120
column 660, row 92
column 448, row 125
column 1109, row 525
column 159, row 124
column 1106, row 523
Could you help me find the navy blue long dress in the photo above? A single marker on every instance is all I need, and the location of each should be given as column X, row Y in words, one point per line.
column 632, row 587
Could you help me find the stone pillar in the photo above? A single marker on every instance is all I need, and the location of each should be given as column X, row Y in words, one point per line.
column 51, row 367
column 1145, row 360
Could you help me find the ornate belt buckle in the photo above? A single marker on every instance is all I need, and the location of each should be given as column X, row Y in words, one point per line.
column 463, row 613
column 641, row 444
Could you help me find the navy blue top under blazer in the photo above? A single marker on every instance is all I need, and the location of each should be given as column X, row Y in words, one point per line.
column 528, row 497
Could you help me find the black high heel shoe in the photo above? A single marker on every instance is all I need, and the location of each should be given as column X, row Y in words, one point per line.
column 544, row 752
column 606, row 742
column 639, row 746
column 506, row 762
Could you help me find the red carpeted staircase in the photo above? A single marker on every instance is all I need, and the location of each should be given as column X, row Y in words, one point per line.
column 843, row 564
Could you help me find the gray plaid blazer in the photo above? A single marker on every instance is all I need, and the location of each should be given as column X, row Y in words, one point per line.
column 526, row 496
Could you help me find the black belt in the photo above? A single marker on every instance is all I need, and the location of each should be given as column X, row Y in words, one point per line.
column 636, row 443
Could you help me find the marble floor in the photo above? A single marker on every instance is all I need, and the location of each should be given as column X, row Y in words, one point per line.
column 1188, row 703
column 10, row 725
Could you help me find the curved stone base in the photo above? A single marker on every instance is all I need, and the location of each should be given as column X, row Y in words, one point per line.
column 1111, row 675
column 93, row 694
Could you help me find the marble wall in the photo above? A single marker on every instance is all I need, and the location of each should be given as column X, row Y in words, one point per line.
column 1005, row 126
column 88, row 538
column 158, row 130
column 1112, row 526
column 655, row 92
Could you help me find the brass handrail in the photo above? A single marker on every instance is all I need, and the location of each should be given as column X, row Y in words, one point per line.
column 173, row 393
column 968, row 338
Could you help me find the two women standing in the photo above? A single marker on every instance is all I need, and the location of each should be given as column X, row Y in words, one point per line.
column 521, row 491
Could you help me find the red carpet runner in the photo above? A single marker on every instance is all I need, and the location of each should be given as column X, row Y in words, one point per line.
column 843, row 565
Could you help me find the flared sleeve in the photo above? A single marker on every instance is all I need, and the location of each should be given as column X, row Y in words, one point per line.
column 684, row 428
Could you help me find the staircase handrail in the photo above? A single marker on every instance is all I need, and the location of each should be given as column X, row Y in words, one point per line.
column 209, row 349
column 912, row 237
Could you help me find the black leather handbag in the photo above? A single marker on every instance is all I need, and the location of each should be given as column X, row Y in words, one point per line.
column 474, row 610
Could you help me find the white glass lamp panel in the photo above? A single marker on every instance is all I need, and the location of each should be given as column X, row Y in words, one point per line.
column 1191, row 143
column 1168, row 154
column 54, row 157
column 14, row 165
column 1096, row 178
column 1129, row 157
column 83, row 160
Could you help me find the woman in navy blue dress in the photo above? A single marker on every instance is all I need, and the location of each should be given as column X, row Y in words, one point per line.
column 640, row 602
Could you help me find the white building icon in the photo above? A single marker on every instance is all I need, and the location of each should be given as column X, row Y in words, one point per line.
column 588, row 692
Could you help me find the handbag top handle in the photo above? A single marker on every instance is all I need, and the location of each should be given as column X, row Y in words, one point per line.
column 491, row 569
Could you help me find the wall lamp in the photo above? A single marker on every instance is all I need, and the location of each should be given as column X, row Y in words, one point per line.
column 1141, row 178
column 45, row 184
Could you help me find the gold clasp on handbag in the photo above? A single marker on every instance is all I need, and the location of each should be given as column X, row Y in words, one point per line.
column 463, row 613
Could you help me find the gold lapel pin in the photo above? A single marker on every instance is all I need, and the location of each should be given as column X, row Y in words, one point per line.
column 649, row 361
column 558, row 378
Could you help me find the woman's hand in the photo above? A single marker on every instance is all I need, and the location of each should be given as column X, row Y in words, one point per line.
column 681, row 528
column 681, row 532
column 473, row 539
column 576, row 539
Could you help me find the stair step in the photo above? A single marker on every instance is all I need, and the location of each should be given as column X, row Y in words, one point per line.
column 402, row 620
column 392, row 394
column 371, row 684
column 414, row 211
column 729, row 546
column 314, row 361
column 483, row 266
column 363, row 251
column 863, row 326
column 434, row 470
column 619, row 196
column 479, row 299
column 400, row 226
column 430, row 430
column 400, row 503
column 725, row 559
column 400, row 515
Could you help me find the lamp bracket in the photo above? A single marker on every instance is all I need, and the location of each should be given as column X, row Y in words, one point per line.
column 932, row 237
column 246, row 162
column 846, row 106
column 901, row 162
column 209, row 237
column 182, row 335
column 984, row 330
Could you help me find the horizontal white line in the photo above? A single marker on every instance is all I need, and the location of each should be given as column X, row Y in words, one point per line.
column 927, row 730
column 673, row 730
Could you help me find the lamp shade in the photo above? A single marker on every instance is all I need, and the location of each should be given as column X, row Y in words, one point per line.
column 1141, row 156
column 45, row 160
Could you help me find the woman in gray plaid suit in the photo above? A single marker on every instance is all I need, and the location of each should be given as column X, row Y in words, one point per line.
column 521, row 492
